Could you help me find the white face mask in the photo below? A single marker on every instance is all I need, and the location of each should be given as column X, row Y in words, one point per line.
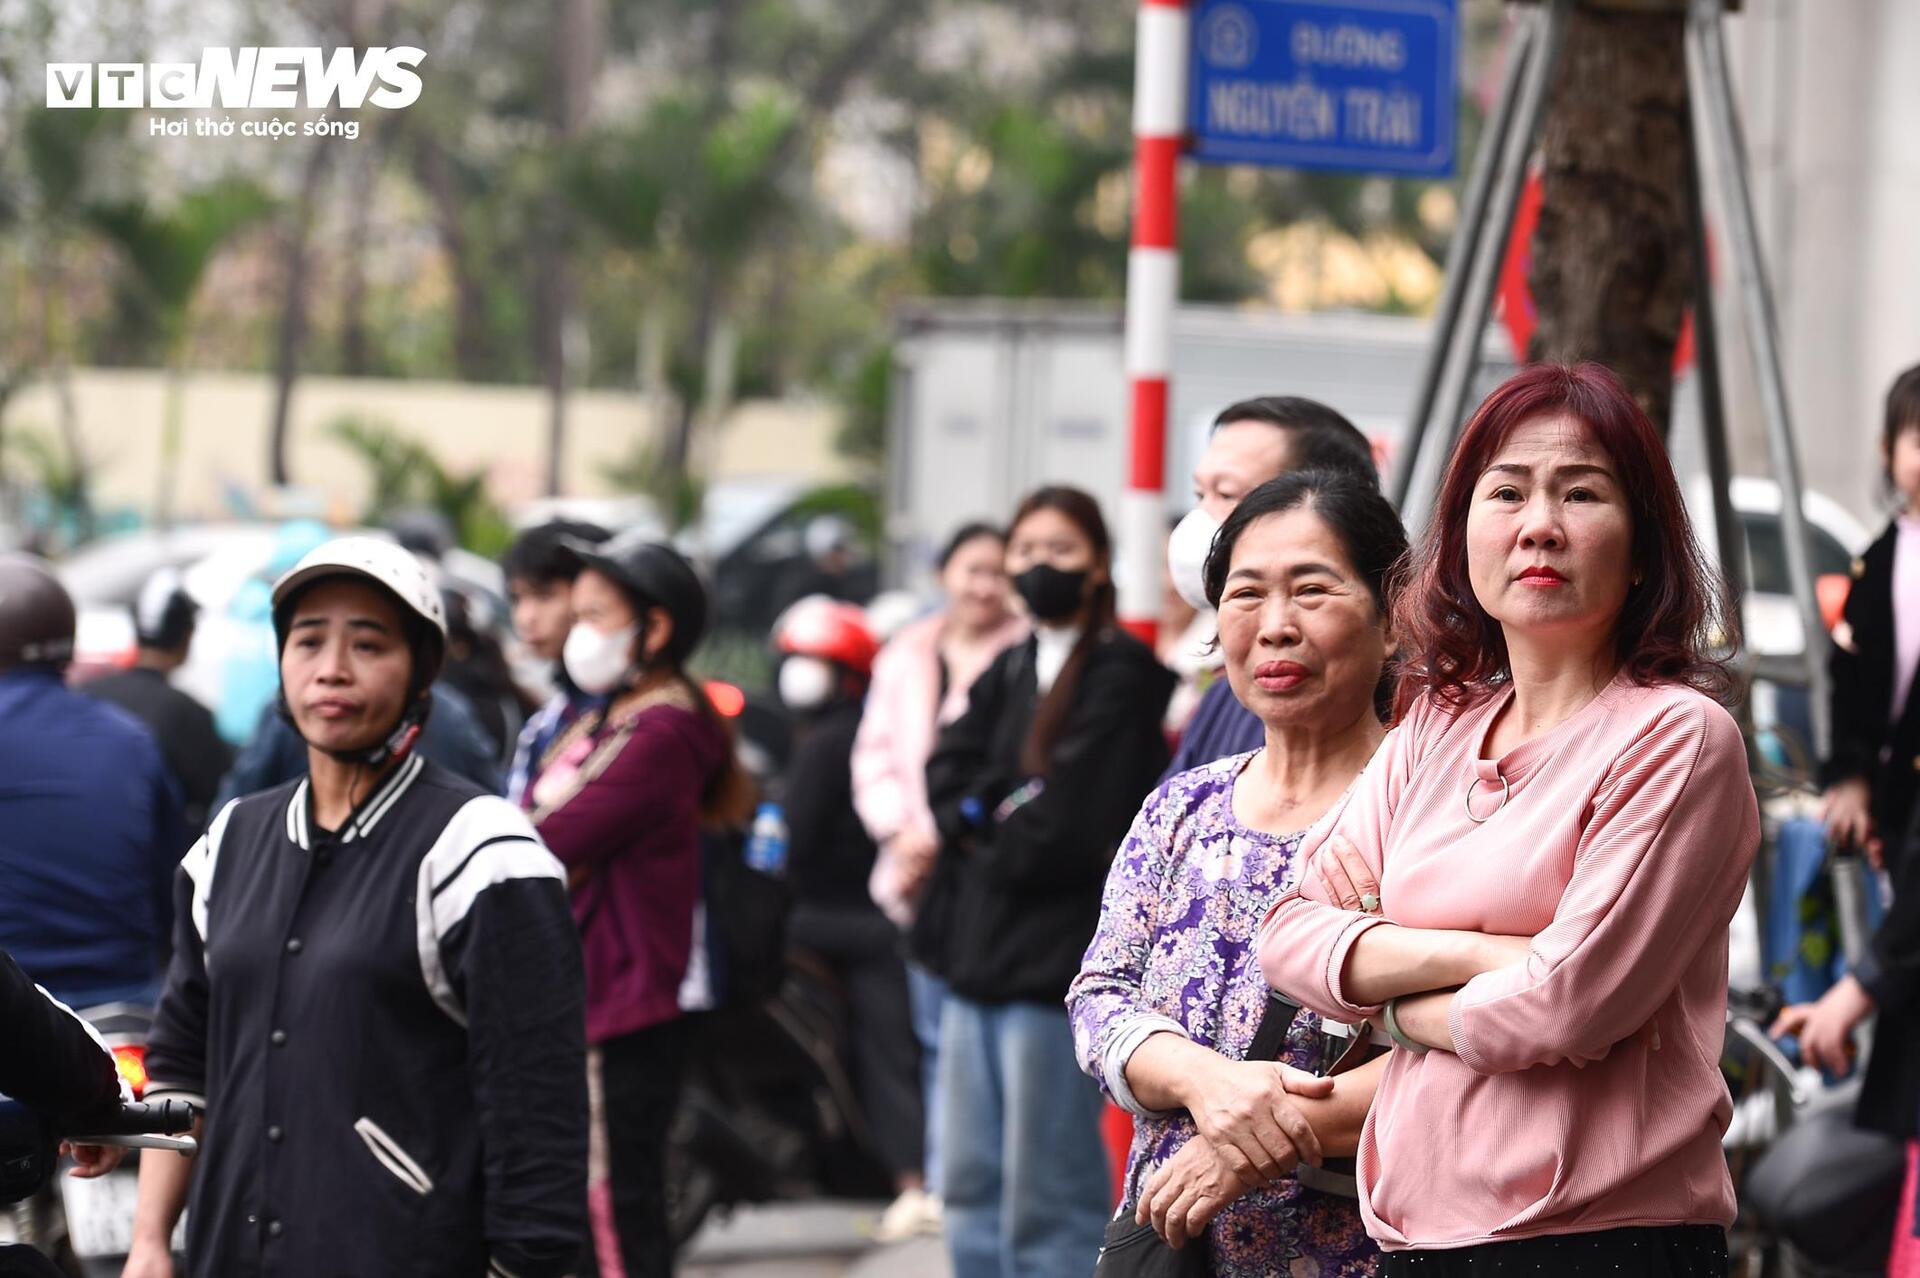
column 596, row 661
column 806, row 683
column 1187, row 551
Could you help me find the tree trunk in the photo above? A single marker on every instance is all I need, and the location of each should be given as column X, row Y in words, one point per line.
column 674, row 458
column 472, row 341
column 579, row 32
column 1612, row 258
column 551, row 301
column 355, row 343
column 172, row 432
column 58, row 343
column 352, row 19
column 293, row 308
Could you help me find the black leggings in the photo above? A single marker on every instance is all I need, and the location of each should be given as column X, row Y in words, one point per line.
column 634, row 1086
column 1661, row 1251
column 863, row 949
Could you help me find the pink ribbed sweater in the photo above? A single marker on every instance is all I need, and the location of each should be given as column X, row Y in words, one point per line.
column 1622, row 848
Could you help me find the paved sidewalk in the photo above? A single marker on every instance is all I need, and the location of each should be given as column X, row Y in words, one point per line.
column 808, row 1240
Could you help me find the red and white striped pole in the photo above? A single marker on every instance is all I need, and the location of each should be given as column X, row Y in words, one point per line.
column 1153, row 289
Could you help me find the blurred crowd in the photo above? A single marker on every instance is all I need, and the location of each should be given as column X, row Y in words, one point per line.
column 483, row 844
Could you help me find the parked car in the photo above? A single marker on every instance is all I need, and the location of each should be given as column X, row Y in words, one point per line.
column 1770, row 617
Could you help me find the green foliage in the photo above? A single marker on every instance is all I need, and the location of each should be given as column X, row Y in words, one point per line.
column 858, row 504
column 698, row 192
column 166, row 251
column 1030, row 228
column 676, row 497
column 37, row 457
column 405, row 474
column 863, row 396
column 1215, row 225
column 57, row 146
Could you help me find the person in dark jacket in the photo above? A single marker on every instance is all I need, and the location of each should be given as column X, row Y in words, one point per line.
column 1872, row 777
column 90, row 824
column 1032, row 790
column 477, row 668
column 376, row 992
column 620, row 798
column 51, row 1061
column 163, row 623
column 826, row 659
column 1251, row 442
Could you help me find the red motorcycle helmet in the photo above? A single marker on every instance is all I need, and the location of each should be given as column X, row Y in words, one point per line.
column 828, row 629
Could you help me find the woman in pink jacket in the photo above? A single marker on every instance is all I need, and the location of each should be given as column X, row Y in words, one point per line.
column 920, row 682
column 1529, row 887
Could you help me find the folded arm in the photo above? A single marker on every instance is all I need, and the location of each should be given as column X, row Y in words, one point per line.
column 1658, row 873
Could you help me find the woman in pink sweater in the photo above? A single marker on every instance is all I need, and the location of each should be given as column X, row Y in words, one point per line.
column 920, row 683
column 1529, row 887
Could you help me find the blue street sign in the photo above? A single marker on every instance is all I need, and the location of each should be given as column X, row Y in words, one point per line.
column 1360, row 85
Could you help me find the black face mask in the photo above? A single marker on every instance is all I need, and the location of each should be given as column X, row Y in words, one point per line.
column 1052, row 594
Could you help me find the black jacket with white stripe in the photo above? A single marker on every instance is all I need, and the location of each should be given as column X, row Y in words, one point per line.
column 386, row 1026
column 49, row 1057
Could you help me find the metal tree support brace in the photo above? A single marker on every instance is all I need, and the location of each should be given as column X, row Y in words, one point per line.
column 1473, row 263
column 1717, row 123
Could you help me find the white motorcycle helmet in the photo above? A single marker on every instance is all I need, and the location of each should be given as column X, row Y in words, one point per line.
column 399, row 573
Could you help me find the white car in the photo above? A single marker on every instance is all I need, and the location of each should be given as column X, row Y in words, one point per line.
column 1770, row 618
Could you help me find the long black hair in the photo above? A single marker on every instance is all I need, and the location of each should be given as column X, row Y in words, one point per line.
column 1050, row 716
column 1354, row 511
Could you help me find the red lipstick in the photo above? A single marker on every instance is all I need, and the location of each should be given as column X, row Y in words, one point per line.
column 1280, row 676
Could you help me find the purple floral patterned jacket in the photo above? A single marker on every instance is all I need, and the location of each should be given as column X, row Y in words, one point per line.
column 1178, row 930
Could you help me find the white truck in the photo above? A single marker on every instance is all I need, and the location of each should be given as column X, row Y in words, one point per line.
column 993, row 398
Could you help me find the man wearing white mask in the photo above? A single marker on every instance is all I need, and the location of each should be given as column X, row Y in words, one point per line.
column 1251, row 442
column 540, row 567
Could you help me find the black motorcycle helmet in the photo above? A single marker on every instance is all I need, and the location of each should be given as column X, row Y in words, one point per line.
column 164, row 614
column 36, row 616
column 653, row 575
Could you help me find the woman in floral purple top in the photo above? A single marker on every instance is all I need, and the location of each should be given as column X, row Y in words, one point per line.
column 1170, row 993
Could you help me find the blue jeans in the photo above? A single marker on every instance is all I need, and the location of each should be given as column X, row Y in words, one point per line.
column 927, row 994
column 1026, row 1183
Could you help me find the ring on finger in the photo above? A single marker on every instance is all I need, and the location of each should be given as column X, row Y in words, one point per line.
column 1370, row 902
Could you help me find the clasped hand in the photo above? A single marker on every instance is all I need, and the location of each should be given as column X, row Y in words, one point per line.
column 1246, row 1111
column 1189, row 1190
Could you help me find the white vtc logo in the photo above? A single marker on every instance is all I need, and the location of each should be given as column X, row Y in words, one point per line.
column 232, row 78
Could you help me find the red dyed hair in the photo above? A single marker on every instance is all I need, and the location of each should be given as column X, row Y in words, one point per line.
column 1672, row 621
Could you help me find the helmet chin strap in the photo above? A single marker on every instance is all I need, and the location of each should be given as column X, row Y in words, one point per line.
column 395, row 745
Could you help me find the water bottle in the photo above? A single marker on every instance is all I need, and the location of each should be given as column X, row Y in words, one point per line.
column 767, row 844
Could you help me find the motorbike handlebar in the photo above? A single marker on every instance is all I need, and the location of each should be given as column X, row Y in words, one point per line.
column 149, row 1125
